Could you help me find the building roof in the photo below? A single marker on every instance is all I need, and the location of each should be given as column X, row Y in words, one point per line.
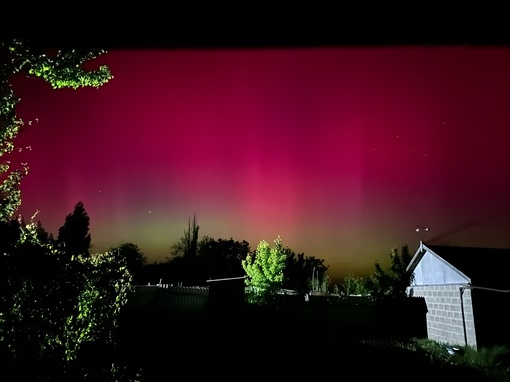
column 486, row 267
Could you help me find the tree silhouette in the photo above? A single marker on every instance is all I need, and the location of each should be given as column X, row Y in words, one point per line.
column 395, row 279
column 187, row 245
column 135, row 259
column 300, row 270
column 43, row 235
column 74, row 235
column 183, row 264
column 222, row 258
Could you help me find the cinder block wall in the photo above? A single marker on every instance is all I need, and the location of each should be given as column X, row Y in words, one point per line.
column 446, row 322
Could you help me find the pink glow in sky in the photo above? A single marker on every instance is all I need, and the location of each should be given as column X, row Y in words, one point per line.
column 340, row 151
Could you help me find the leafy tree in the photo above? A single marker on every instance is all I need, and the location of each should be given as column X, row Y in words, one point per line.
column 62, row 69
column 55, row 305
column 74, row 235
column 355, row 286
column 221, row 258
column 264, row 269
column 193, row 262
column 395, row 279
column 135, row 259
column 52, row 305
column 324, row 283
column 300, row 270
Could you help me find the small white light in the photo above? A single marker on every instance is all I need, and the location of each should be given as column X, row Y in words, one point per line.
column 420, row 227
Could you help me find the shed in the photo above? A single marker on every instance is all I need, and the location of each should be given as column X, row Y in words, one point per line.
column 467, row 292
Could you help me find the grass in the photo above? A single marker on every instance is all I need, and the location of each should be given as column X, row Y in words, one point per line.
column 491, row 364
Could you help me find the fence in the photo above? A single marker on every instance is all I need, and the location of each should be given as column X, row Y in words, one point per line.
column 346, row 316
column 168, row 299
column 358, row 317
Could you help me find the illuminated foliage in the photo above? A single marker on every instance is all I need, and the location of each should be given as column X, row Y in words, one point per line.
column 102, row 295
column 264, row 269
column 355, row 285
column 53, row 305
column 135, row 259
column 63, row 69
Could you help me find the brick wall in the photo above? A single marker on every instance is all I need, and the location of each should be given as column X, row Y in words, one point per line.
column 449, row 320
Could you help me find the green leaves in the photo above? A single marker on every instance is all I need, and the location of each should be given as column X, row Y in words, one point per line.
column 53, row 304
column 63, row 70
column 265, row 271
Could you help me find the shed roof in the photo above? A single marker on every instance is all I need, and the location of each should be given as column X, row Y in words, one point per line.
column 486, row 267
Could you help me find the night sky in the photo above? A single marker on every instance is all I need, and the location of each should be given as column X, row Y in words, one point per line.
column 342, row 151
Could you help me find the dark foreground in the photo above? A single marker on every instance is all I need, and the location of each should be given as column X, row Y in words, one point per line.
column 243, row 345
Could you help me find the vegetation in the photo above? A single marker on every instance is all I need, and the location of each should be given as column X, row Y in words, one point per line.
column 73, row 236
column 221, row 258
column 63, row 69
column 485, row 364
column 193, row 261
column 53, row 306
column 355, row 286
column 60, row 305
column 135, row 260
column 187, row 246
column 395, row 279
column 56, row 300
column 304, row 274
column 264, row 269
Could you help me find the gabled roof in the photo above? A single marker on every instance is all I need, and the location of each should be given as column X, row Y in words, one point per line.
column 486, row 267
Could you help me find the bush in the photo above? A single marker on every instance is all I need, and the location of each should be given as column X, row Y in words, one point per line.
column 53, row 305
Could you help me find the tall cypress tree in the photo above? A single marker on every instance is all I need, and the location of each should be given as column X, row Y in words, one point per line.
column 74, row 235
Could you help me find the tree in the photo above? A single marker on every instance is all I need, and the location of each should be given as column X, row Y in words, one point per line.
column 43, row 235
column 53, row 306
column 187, row 245
column 222, row 258
column 394, row 280
column 74, row 234
column 62, row 69
column 355, row 286
column 215, row 258
column 183, row 263
column 264, row 269
column 301, row 272
column 135, row 259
